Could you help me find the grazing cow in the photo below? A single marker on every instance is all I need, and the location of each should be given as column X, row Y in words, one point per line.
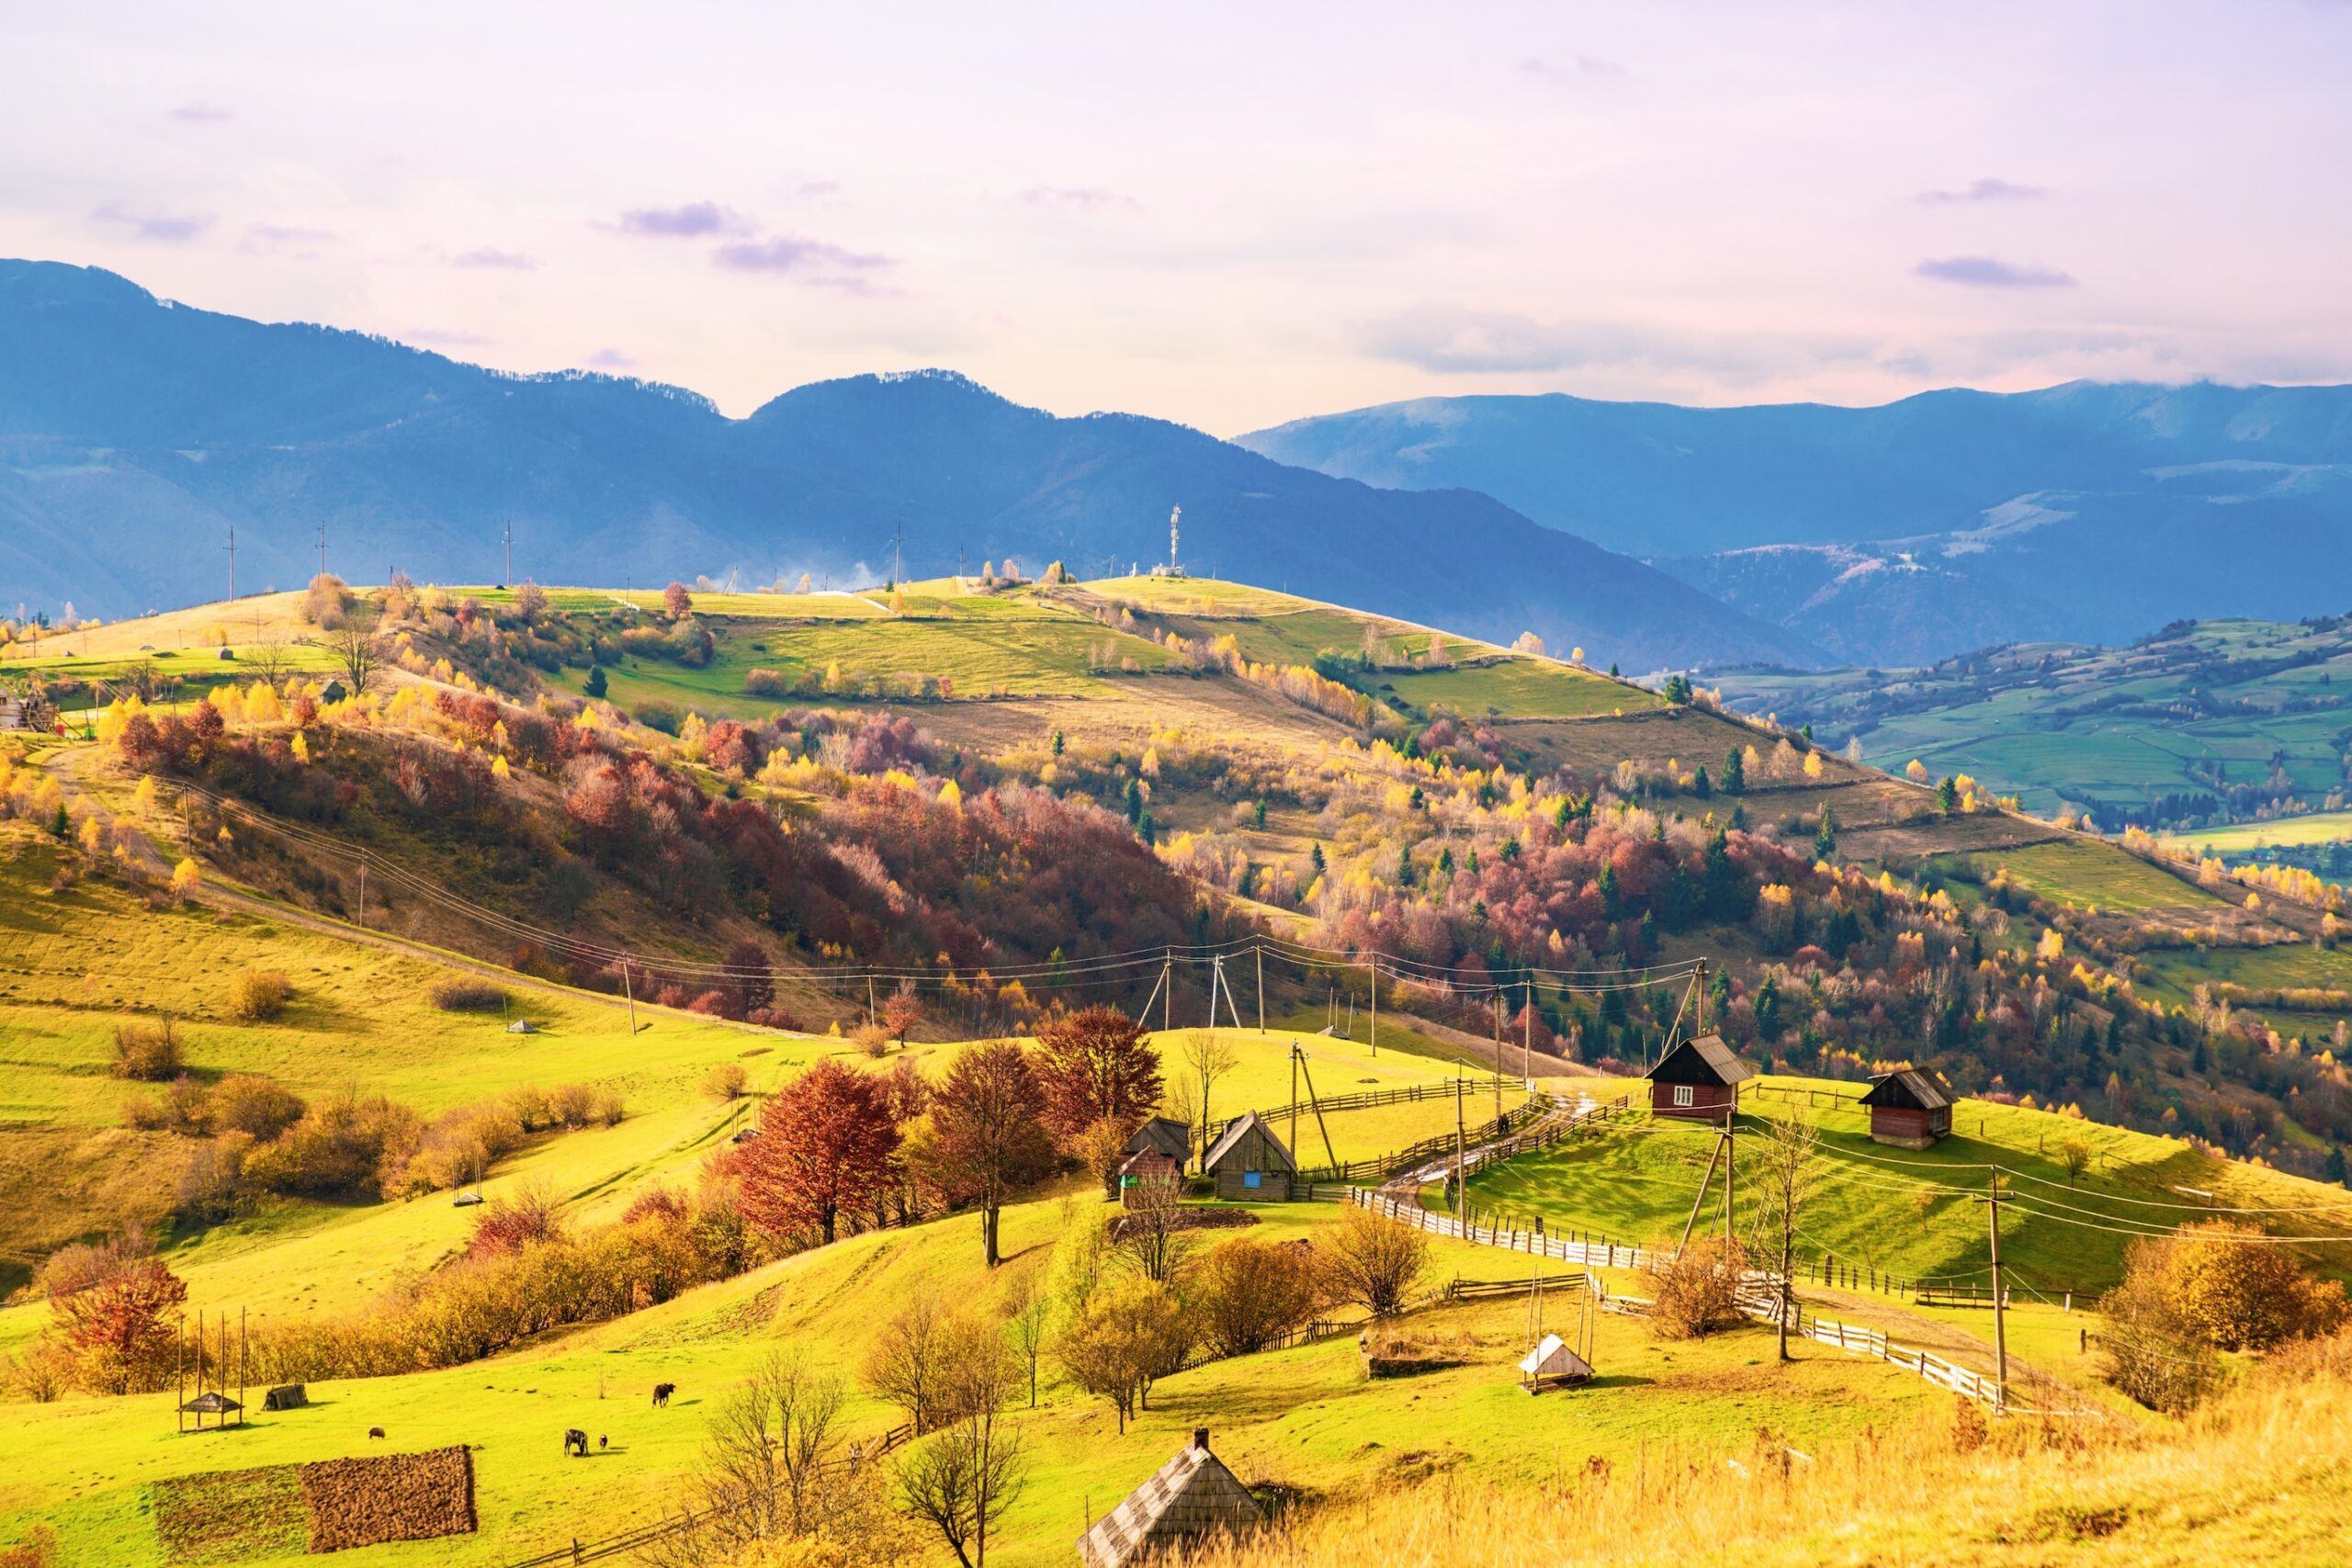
column 575, row 1441
column 375, row 1431
column 662, row 1392
column 601, row 1441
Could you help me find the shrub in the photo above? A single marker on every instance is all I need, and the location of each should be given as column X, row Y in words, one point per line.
column 726, row 1081
column 871, row 1039
column 1696, row 1291
column 464, row 993
column 149, row 1052
column 1372, row 1260
column 2149, row 1351
column 257, row 996
column 347, row 1146
column 659, row 716
column 2232, row 1290
column 571, row 1105
column 146, row 1112
column 248, row 1103
column 527, row 1216
column 607, row 1107
column 1249, row 1293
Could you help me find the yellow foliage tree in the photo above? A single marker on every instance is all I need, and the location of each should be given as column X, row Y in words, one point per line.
column 185, row 879
column 1916, row 770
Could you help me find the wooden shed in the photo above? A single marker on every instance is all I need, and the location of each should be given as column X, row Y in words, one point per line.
column 1910, row 1108
column 1164, row 1134
column 1698, row 1080
column 1191, row 1498
column 1148, row 1167
column 1250, row 1164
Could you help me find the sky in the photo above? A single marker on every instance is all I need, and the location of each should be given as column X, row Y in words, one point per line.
column 1229, row 215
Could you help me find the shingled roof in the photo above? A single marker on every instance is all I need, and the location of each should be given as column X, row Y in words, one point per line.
column 1165, row 1133
column 1236, row 1132
column 1191, row 1497
column 1705, row 1060
column 1909, row 1088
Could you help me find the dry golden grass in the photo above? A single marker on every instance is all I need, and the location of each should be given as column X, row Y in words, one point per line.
column 2258, row 1477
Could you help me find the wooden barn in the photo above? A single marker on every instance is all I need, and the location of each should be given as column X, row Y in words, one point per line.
column 1148, row 1167
column 1249, row 1163
column 1191, row 1498
column 1910, row 1108
column 1164, row 1134
column 1698, row 1080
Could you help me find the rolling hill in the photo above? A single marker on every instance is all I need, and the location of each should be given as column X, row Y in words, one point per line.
column 136, row 431
column 1906, row 532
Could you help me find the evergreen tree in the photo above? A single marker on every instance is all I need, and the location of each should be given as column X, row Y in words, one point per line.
column 1948, row 795
column 1607, row 881
column 1405, row 867
column 595, row 686
column 1734, row 772
column 1825, row 840
column 1258, row 816
column 1700, row 783
column 1315, row 858
column 1133, row 800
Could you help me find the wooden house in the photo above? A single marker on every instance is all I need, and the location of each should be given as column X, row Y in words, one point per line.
column 1910, row 1108
column 1165, row 1135
column 1698, row 1080
column 1250, row 1164
column 1148, row 1167
column 1191, row 1499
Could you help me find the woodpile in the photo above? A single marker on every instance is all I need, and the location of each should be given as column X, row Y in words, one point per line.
column 360, row 1502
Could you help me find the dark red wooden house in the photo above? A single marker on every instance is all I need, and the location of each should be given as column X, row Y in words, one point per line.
column 1698, row 1080
column 1910, row 1108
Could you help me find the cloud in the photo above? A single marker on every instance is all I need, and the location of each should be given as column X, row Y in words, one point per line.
column 1575, row 66
column 505, row 261
column 1089, row 199
column 1984, row 190
column 1453, row 342
column 811, row 261
column 200, row 113
column 611, row 359
column 693, row 220
column 283, row 236
column 1989, row 272
column 169, row 228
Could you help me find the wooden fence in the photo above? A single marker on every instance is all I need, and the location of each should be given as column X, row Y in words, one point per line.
column 1364, row 1099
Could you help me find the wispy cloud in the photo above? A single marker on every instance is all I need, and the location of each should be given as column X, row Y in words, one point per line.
column 1087, row 200
column 809, row 261
column 696, row 219
column 1984, row 190
column 1574, row 66
column 504, row 261
column 611, row 359
column 167, row 227
column 200, row 113
column 284, row 237
column 1990, row 272
column 1455, row 341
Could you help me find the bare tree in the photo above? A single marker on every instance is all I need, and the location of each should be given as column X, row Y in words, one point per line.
column 966, row 1475
column 1152, row 1238
column 269, row 659
column 1028, row 1322
column 908, row 1362
column 1373, row 1260
column 359, row 654
column 772, row 1468
column 1785, row 1171
column 1210, row 1057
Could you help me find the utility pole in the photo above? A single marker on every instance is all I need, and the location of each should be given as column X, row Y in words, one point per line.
column 899, row 556
column 1375, row 1006
column 1460, row 1198
column 630, row 992
column 322, row 547
column 1259, row 953
column 1992, row 1202
column 363, row 892
column 1527, row 1040
column 1699, row 980
column 1731, row 1172
column 1294, row 1100
column 510, row 556
column 232, row 563
column 1498, row 1055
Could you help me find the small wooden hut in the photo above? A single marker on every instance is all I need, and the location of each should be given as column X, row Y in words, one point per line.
column 1910, row 1108
column 1165, row 1135
column 1148, row 1168
column 1250, row 1164
column 1193, row 1497
column 1553, row 1364
column 1698, row 1080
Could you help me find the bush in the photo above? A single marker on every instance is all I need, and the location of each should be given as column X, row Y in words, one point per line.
column 1696, row 1291
column 464, row 993
column 1372, row 1260
column 149, row 1052
column 659, row 716
column 872, row 1039
column 726, row 1081
column 571, row 1105
column 248, row 1103
column 1249, row 1293
column 257, row 996
column 525, row 1217
column 2220, row 1283
column 347, row 1146
column 2149, row 1351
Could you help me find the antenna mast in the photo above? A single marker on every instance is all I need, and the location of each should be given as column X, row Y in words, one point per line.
column 1175, row 514
column 322, row 547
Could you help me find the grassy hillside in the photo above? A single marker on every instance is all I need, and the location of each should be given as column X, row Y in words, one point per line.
column 2204, row 722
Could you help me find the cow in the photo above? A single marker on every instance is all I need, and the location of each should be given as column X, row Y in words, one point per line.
column 575, row 1441
column 601, row 1441
column 375, row 1431
column 662, row 1392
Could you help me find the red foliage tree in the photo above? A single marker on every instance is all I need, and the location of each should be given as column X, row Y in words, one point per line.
column 825, row 1145
column 119, row 1325
column 677, row 601
column 751, row 984
column 988, row 1139
column 1094, row 1065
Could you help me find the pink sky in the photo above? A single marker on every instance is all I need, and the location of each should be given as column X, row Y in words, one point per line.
column 1228, row 215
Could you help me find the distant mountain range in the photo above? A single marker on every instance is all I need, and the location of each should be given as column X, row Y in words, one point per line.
column 1939, row 523
column 134, row 433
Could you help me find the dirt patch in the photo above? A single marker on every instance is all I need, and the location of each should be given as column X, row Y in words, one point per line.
column 1192, row 1219
column 1723, row 1379
column 229, row 1516
column 360, row 1502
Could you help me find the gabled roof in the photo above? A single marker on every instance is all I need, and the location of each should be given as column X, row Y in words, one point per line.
column 1705, row 1060
column 1553, row 1358
column 1193, row 1495
column 1910, row 1089
column 1241, row 1129
column 211, row 1402
column 1169, row 1137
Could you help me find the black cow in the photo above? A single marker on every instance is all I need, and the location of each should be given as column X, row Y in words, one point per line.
column 575, row 1441
column 375, row 1431
column 662, row 1392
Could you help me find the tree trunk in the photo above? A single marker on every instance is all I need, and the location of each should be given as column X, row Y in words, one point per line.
column 988, row 1213
column 1788, row 1290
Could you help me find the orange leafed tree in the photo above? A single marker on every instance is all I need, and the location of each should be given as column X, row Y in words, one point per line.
column 825, row 1145
column 1093, row 1064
